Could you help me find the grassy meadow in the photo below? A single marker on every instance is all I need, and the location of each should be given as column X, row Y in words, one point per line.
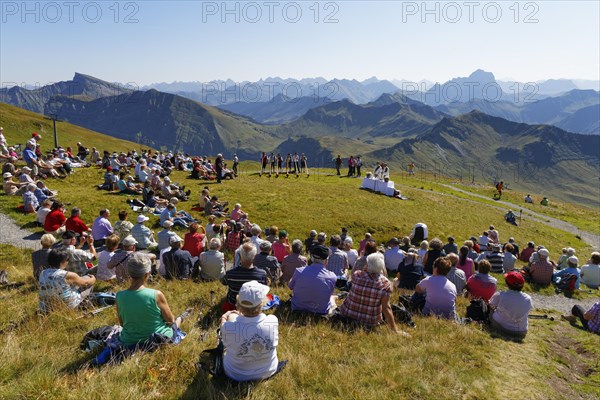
column 441, row 360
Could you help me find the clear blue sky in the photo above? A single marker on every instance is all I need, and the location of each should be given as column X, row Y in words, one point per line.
column 166, row 41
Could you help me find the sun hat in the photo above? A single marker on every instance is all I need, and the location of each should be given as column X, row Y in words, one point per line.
column 252, row 294
column 142, row 218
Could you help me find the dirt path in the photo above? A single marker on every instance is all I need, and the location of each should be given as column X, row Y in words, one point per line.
column 590, row 238
column 11, row 234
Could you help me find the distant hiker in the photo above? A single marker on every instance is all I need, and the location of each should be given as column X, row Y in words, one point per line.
column 358, row 163
column 351, row 166
column 511, row 307
column 544, row 201
column 511, row 218
column 499, row 188
column 411, row 168
column 338, row 164
column 590, row 273
column 528, row 199
column 219, row 167
column 304, row 164
column 590, row 319
column 272, row 162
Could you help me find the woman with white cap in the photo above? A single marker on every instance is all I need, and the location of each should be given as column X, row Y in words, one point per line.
column 250, row 337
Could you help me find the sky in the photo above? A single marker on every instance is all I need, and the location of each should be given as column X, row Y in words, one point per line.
column 143, row 42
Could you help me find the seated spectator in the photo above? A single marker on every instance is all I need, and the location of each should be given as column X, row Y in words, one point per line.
column 12, row 188
column 118, row 262
column 511, row 307
column 75, row 223
column 245, row 272
column 495, row 257
column 79, row 260
column 572, row 263
column 178, row 262
column 405, row 244
column 104, row 257
column 143, row 311
column 527, row 252
column 338, row 260
column 409, row 272
column 493, row 235
column 484, row 240
column 528, row 199
column 562, row 261
column 369, row 298
column 39, row 258
column 123, row 227
column 212, row 262
column 440, row 293
column 235, row 237
column 142, row 234
column 435, row 251
column 541, row 271
column 43, row 212
column 450, row 247
column 313, row 285
column 456, row 275
column 281, row 247
column 101, row 227
column 30, row 202
column 350, row 252
column 237, row 212
column 272, row 234
column 194, row 241
column 55, row 220
column 57, row 286
column 465, row 264
column 292, row 262
column 310, row 241
column 393, row 257
column 418, row 234
column 590, row 319
column 482, row 285
column 164, row 235
column 267, row 262
column 509, row 260
column 250, row 337
column 421, row 251
column 590, row 273
column 361, row 262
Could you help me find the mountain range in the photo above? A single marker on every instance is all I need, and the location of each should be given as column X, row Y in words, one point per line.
column 392, row 127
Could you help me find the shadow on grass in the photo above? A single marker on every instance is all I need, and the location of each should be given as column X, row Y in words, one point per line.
column 206, row 387
column 77, row 366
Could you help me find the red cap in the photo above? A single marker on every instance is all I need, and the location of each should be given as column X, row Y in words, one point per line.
column 34, row 134
column 514, row 278
column 109, row 168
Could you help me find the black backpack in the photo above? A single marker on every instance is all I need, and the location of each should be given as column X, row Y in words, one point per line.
column 478, row 310
column 566, row 284
column 211, row 361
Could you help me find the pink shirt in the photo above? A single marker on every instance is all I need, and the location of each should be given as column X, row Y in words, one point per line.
column 468, row 268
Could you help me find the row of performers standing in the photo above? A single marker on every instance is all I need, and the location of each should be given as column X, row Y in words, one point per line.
column 293, row 164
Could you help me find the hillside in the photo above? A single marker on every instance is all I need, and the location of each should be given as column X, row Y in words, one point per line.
column 82, row 86
column 278, row 110
column 538, row 158
column 165, row 120
column 18, row 125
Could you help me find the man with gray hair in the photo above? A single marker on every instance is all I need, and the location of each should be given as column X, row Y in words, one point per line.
column 178, row 262
column 212, row 262
column 78, row 258
column 246, row 272
column 30, row 202
column 264, row 260
column 338, row 260
column 542, row 270
column 292, row 262
column 255, row 239
column 164, row 235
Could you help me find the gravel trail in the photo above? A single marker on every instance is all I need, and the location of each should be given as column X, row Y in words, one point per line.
column 11, row 234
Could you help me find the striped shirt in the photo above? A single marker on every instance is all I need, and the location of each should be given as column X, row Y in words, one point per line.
column 236, row 277
column 594, row 322
column 363, row 303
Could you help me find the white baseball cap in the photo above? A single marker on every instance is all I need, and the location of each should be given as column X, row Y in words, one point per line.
column 252, row 294
column 142, row 218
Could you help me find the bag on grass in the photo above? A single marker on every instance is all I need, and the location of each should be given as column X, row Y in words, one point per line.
column 402, row 315
column 566, row 284
column 478, row 310
column 211, row 360
column 98, row 336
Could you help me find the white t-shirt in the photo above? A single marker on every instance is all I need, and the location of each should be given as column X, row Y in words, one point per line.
column 42, row 212
column 511, row 309
column 508, row 263
column 352, row 257
column 250, row 347
column 103, row 273
column 440, row 296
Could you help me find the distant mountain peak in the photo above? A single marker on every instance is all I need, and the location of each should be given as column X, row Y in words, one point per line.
column 481, row 75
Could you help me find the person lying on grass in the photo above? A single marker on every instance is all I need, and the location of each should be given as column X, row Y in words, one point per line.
column 143, row 311
column 56, row 285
